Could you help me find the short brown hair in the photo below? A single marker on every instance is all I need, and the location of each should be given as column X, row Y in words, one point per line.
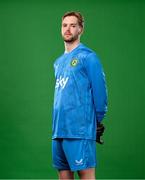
column 77, row 15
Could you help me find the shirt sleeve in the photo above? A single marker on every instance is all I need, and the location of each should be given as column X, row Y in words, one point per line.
column 97, row 80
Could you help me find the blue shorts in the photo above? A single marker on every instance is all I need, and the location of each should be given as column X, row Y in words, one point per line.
column 73, row 154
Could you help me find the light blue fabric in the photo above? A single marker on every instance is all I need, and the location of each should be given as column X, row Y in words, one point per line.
column 73, row 154
column 80, row 94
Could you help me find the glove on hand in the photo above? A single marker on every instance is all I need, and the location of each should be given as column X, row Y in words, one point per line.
column 99, row 133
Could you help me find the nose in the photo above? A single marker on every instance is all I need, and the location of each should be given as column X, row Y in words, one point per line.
column 67, row 31
column 68, row 28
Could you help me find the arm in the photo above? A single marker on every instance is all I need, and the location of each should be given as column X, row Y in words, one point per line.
column 99, row 91
column 98, row 84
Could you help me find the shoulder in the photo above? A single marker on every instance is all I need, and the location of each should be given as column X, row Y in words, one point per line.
column 58, row 60
column 86, row 52
column 88, row 55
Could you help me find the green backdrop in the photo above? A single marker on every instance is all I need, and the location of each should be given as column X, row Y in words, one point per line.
column 30, row 41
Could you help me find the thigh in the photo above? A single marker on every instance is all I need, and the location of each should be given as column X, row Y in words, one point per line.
column 58, row 157
column 80, row 153
column 87, row 174
column 65, row 174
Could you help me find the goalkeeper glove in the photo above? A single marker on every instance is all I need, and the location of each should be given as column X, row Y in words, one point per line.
column 99, row 133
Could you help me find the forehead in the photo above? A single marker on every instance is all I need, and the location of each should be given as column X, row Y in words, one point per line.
column 70, row 20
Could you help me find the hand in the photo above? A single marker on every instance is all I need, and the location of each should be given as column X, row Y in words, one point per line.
column 99, row 133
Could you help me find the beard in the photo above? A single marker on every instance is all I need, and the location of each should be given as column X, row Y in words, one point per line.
column 71, row 38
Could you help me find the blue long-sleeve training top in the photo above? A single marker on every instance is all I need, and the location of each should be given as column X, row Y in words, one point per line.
column 80, row 98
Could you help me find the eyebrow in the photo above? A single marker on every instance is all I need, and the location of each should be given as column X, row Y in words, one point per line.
column 70, row 24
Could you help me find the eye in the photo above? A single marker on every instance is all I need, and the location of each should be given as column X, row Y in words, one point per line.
column 64, row 25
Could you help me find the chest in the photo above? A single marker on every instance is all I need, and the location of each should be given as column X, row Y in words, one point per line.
column 68, row 66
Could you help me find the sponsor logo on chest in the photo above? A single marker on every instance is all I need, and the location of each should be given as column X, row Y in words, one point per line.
column 61, row 82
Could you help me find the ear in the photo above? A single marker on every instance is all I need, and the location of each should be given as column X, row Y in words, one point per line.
column 80, row 30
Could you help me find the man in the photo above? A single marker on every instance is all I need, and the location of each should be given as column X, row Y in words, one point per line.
column 80, row 103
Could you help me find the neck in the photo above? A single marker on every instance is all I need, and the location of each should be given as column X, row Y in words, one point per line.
column 69, row 46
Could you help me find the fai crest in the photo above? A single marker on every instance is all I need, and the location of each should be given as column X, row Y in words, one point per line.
column 74, row 62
